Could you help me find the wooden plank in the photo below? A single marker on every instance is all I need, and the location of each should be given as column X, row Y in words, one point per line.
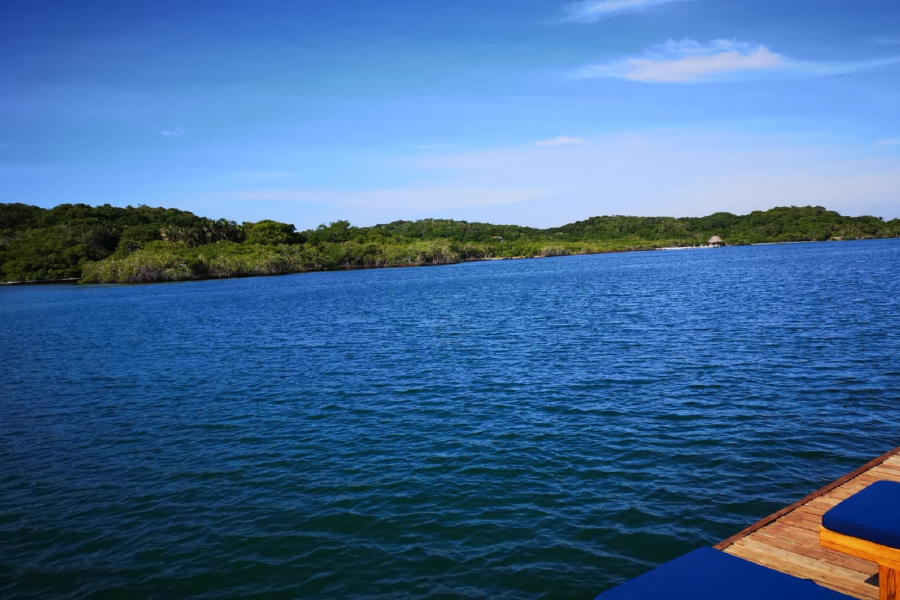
column 883, row 555
column 891, row 463
column 857, row 485
column 811, row 525
column 826, row 502
column 885, row 471
column 816, row 510
column 889, row 583
column 807, row 513
column 813, row 565
column 890, row 457
column 808, row 568
column 893, row 460
column 859, row 482
column 790, row 540
column 866, row 479
column 857, row 588
column 786, row 531
column 817, row 552
column 888, row 475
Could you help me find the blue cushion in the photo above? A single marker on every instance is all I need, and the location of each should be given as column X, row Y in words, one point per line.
column 872, row 514
column 708, row 574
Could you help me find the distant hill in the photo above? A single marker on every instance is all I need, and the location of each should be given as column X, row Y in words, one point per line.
column 144, row 244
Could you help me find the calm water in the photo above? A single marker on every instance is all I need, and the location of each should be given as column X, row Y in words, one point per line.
column 509, row 429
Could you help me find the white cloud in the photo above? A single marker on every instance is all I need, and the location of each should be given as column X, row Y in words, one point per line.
column 689, row 61
column 563, row 140
column 840, row 68
column 177, row 132
column 591, row 11
column 888, row 142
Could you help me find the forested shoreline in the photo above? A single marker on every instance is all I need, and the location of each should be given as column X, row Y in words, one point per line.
column 108, row 244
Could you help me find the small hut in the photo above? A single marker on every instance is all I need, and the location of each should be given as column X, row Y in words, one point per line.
column 716, row 242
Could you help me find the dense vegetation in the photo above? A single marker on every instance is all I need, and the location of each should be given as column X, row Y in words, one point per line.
column 144, row 244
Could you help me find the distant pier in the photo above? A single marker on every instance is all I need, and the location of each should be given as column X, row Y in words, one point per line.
column 705, row 247
column 714, row 242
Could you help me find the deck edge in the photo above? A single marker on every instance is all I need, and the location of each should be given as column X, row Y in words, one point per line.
column 820, row 492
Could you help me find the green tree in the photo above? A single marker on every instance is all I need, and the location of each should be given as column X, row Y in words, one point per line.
column 270, row 233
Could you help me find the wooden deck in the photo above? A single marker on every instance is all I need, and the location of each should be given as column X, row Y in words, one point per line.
column 788, row 541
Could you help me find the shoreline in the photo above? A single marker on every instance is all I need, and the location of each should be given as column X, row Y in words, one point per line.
column 77, row 280
column 68, row 280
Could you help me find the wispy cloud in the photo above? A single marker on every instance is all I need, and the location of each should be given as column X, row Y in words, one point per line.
column 591, row 11
column 686, row 61
column 888, row 142
column 434, row 147
column 563, row 140
column 177, row 132
column 689, row 61
column 887, row 41
column 435, row 198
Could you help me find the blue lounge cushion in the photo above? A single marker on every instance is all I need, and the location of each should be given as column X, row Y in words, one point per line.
column 872, row 514
column 708, row 574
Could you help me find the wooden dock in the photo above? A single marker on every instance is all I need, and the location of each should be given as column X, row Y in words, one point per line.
column 788, row 541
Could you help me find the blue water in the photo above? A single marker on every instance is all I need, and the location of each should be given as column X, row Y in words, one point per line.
column 507, row 429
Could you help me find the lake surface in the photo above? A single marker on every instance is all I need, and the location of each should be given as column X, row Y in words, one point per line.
column 506, row 429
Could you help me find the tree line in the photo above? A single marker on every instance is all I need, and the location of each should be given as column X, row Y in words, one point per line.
column 144, row 244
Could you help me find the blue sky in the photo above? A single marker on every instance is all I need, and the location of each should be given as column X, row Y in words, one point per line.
column 535, row 112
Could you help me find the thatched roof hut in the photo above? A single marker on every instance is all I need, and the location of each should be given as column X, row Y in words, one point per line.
column 715, row 241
